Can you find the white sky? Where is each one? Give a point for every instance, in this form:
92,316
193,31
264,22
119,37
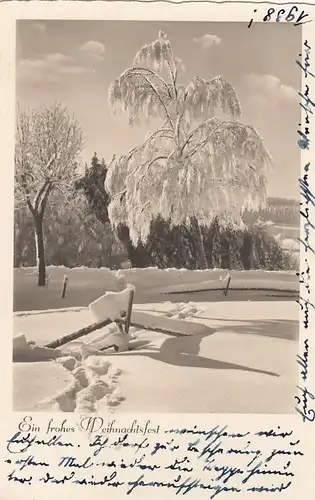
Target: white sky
75,61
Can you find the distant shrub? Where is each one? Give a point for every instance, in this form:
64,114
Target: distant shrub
126,264
249,248
267,252
230,247
279,210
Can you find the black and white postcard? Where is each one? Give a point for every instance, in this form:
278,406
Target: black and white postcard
157,307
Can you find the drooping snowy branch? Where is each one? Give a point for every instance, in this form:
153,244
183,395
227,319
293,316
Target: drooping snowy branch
196,165
203,98
219,173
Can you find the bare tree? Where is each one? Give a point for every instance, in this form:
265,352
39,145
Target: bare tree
48,145
196,166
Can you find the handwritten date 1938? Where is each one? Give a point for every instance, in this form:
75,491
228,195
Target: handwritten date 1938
294,14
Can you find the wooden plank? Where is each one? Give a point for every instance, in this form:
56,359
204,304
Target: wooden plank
162,324
95,326
171,326
161,330
79,333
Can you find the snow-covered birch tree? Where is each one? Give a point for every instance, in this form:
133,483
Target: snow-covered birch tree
195,166
48,144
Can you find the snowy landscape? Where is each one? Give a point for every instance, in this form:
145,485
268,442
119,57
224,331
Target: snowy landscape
164,277
234,355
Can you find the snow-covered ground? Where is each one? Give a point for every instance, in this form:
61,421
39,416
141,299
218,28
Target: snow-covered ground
86,285
152,277
240,358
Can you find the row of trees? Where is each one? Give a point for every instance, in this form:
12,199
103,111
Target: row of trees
176,199
280,211
77,232
226,246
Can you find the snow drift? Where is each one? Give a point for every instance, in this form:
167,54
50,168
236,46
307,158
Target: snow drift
153,279
84,377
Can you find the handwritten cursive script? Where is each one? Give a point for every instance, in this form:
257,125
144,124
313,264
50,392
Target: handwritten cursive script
182,459
305,397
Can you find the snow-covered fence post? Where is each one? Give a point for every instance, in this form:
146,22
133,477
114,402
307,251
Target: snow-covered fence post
64,286
129,311
113,307
227,286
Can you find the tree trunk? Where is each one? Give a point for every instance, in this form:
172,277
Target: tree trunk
202,252
247,250
137,255
40,250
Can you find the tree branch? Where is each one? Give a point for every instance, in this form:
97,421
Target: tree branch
203,141
158,132
147,164
152,73
37,199
198,146
139,72
31,208
162,157
173,73
161,100
177,127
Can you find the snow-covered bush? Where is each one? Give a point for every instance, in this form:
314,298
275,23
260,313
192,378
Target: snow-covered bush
73,236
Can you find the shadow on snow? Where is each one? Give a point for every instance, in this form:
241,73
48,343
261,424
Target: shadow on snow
186,353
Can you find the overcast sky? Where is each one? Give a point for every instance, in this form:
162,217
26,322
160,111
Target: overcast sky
75,61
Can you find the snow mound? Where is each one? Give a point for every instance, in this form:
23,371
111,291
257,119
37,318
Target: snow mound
183,310
24,351
112,305
68,362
